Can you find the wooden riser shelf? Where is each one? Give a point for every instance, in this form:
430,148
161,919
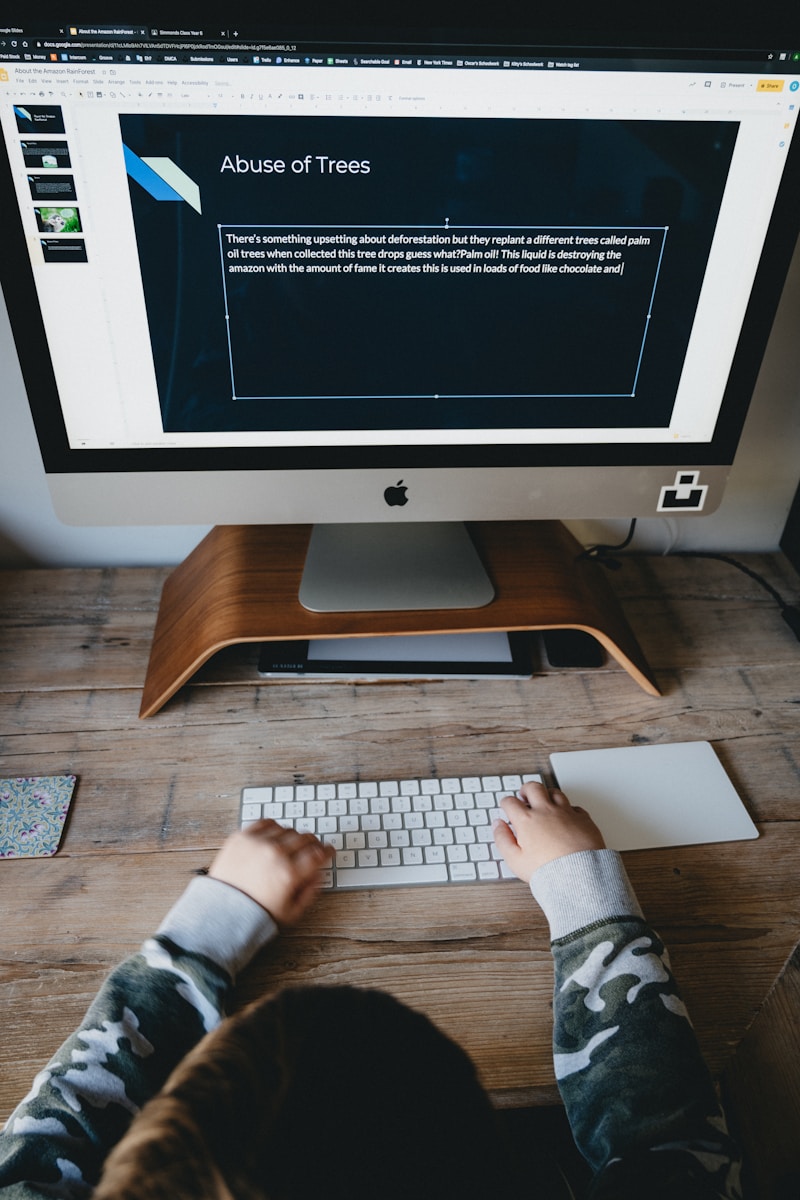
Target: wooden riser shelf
241,585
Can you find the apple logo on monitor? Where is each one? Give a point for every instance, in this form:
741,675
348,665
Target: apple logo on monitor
396,495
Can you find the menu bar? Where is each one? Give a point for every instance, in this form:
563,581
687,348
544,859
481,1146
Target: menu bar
153,45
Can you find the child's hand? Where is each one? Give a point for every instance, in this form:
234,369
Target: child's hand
545,826
276,867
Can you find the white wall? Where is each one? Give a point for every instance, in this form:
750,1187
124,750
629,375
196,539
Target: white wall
761,488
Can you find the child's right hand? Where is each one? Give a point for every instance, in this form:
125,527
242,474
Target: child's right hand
543,826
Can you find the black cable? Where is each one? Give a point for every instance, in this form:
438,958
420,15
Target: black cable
603,553
789,612
734,562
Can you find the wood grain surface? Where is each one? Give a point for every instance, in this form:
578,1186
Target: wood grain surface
155,798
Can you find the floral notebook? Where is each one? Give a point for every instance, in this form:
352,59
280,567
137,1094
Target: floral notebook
33,810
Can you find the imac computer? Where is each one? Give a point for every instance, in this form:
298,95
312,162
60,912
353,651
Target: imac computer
387,282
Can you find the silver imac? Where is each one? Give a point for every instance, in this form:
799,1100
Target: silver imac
379,279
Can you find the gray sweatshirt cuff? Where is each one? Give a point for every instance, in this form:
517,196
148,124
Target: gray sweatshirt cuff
216,920
580,889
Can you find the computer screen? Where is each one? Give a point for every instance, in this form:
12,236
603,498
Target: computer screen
257,277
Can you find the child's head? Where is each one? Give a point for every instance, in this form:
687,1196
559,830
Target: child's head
331,1092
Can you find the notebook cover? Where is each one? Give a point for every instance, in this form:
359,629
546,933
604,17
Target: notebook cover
647,796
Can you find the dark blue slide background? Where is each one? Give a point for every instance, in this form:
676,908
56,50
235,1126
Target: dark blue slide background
337,351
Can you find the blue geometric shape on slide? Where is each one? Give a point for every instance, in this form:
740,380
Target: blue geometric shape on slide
147,178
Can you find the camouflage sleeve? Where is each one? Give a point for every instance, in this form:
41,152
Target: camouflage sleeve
641,1103
148,1014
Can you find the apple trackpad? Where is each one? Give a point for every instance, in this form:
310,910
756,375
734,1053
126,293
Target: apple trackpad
663,795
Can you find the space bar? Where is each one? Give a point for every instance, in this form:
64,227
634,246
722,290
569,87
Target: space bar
349,877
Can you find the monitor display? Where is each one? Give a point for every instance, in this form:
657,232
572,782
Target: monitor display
256,277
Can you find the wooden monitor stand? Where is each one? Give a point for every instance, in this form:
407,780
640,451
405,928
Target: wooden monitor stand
241,585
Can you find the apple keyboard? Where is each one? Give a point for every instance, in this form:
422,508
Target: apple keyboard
401,833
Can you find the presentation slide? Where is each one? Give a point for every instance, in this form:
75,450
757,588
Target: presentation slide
421,273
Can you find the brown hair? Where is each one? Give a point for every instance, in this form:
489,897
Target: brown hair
315,1091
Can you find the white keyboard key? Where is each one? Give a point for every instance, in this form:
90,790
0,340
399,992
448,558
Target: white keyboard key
463,872
456,854
305,791
491,783
488,870
282,794
326,791
347,791
257,795
409,787
430,787
345,859
389,788
368,789
251,812
472,784
434,854
393,876
413,856
478,852
367,858
511,784
390,858
451,786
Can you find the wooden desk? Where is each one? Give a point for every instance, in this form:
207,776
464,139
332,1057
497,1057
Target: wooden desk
155,798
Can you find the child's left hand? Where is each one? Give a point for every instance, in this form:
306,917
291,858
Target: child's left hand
276,867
